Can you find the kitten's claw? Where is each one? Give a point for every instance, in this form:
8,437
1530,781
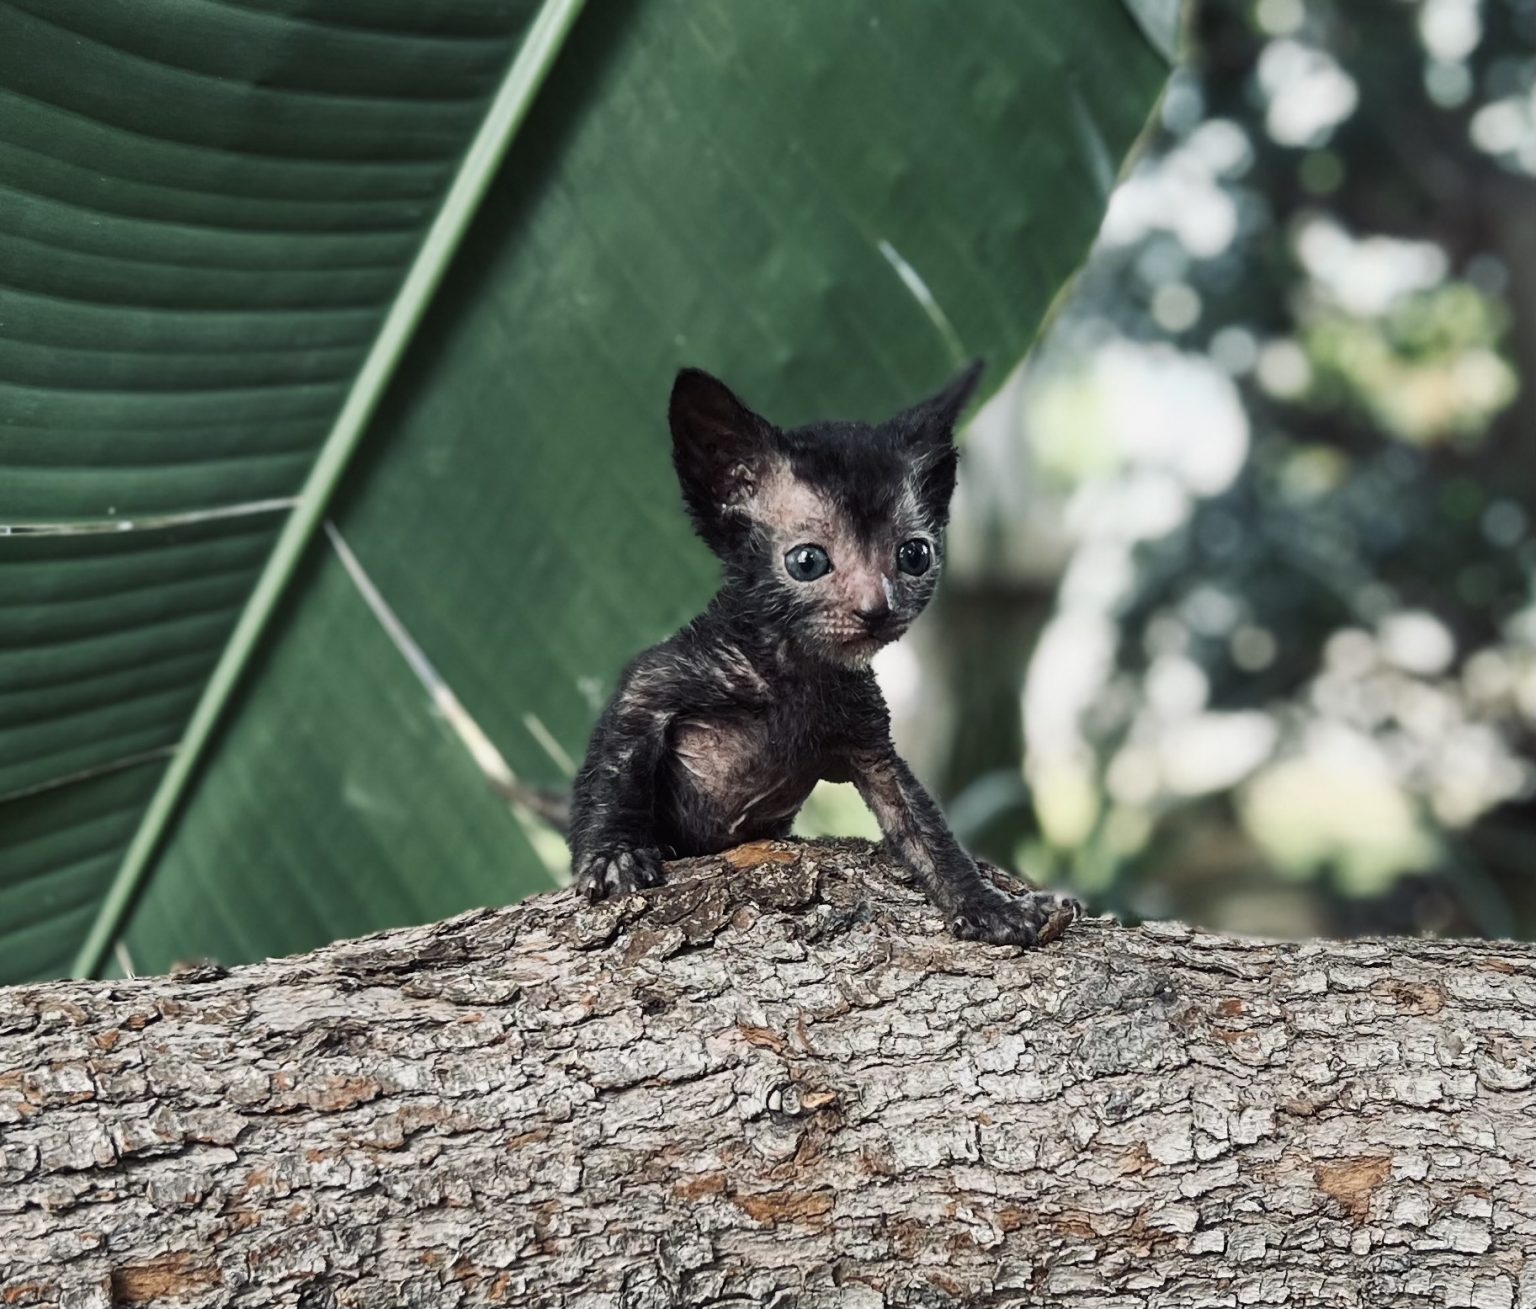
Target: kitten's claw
618,870
1034,918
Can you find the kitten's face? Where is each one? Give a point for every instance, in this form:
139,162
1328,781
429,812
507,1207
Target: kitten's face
842,569
835,529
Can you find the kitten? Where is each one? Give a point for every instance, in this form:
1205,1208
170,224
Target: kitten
830,537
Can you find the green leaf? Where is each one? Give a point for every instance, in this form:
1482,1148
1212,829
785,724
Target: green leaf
1162,21
828,204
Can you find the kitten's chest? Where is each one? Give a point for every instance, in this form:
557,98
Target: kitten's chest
740,775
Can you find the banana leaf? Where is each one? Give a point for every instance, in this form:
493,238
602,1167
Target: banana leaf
335,339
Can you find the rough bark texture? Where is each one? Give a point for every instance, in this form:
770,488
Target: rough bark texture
778,1083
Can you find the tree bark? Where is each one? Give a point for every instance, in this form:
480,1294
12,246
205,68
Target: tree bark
777,1081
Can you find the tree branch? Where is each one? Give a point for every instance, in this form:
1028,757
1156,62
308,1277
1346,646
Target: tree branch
776,1080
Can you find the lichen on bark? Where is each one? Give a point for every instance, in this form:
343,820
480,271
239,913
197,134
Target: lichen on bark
777,1080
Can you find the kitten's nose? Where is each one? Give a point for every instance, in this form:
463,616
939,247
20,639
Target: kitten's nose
874,615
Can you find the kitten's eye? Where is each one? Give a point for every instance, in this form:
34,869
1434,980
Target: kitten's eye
915,557
805,563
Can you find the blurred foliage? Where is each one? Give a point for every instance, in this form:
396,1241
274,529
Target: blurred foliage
1290,681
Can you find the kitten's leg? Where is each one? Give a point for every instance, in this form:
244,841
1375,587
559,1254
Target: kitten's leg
916,831
613,832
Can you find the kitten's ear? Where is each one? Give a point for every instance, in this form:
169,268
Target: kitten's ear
720,449
934,419
928,428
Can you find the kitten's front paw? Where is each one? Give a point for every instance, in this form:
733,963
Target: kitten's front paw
1033,918
617,870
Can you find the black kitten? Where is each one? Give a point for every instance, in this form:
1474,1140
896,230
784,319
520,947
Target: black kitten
831,536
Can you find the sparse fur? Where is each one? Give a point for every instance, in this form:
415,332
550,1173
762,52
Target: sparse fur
716,736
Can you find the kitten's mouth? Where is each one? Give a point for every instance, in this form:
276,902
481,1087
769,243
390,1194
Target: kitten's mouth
865,643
